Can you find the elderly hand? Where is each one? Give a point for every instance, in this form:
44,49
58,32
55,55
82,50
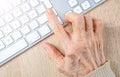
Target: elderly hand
83,47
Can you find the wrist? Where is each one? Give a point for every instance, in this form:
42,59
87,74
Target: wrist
103,71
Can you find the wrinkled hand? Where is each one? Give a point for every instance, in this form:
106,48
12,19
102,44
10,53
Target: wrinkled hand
83,47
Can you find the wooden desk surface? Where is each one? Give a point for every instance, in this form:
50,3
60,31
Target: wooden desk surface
35,62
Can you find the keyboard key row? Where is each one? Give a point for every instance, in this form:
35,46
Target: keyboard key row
31,37
24,18
13,49
74,3
83,6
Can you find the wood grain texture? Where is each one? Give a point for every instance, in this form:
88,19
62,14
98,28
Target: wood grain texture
35,62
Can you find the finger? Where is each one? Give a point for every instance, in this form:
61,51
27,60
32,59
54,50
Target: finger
77,21
53,53
98,34
85,63
98,27
92,58
89,26
56,25
92,43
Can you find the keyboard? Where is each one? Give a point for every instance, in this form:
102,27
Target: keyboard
23,23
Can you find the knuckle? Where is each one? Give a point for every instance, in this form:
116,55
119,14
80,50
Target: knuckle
98,21
88,17
78,17
56,28
73,49
60,27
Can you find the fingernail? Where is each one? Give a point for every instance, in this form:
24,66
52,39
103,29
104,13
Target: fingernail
49,11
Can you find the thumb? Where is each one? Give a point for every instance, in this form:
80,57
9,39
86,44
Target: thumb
53,53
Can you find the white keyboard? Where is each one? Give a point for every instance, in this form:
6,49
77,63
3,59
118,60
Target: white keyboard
23,23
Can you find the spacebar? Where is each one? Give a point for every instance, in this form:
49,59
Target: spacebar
12,50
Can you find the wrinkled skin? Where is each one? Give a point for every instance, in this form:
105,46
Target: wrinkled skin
83,47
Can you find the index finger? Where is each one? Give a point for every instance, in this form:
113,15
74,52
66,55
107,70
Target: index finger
56,25
77,21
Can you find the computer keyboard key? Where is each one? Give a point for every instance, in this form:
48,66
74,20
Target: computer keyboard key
8,40
42,19
15,2
44,30
32,37
48,4
8,17
85,5
24,0
25,7
12,50
1,45
17,12
15,24
41,9
33,25
7,29
25,30
2,22
78,9
1,11
32,14
72,3
34,3
6,6
16,35
24,19
96,1
1,34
